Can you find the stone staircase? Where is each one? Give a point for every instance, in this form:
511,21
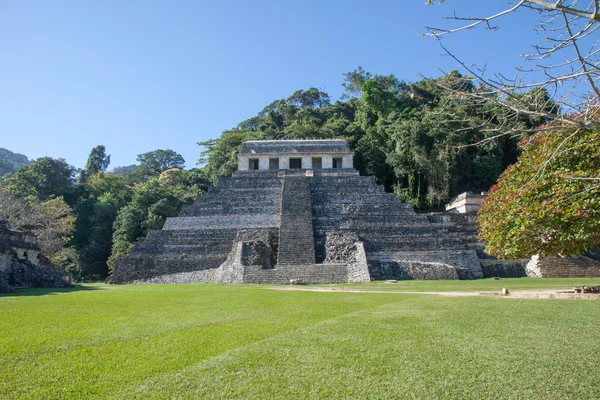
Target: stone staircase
296,240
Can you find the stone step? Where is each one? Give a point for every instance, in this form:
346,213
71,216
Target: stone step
296,241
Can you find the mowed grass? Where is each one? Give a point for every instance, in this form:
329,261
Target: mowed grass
243,341
478,285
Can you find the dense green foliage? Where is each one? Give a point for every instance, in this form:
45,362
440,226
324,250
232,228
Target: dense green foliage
547,203
154,201
80,224
52,221
97,161
11,162
157,161
413,137
43,178
239,341
102,196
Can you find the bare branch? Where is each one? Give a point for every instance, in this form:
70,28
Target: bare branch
436,32
568,10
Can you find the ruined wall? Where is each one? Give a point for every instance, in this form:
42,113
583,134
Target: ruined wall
465,226
22,265
503,268
445,265
312,273
346,248
563,267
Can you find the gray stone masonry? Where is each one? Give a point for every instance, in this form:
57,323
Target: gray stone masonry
22,265
297,244
563,267
317,226
465,226
311,273
399,243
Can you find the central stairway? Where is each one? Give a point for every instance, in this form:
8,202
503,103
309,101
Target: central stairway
296,239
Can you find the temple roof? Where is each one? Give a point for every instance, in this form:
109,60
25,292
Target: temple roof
313,146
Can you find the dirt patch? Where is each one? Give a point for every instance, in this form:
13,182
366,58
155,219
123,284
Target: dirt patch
514,294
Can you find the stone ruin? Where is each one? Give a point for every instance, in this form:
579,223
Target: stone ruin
22,265
460,218
297,210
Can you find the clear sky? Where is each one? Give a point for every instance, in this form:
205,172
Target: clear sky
137,76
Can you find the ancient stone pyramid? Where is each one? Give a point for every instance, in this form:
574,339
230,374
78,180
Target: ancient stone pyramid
279,219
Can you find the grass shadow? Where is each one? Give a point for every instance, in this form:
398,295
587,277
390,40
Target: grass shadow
49,291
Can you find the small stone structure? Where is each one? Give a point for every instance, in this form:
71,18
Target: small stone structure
575,266
466,203
296,210
460,218
22,265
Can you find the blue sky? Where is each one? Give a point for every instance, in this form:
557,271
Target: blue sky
137,76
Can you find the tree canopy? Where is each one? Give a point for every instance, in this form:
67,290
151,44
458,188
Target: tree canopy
157,161
97,161
44,179
547,203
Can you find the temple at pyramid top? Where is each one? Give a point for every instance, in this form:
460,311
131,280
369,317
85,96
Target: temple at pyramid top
263,155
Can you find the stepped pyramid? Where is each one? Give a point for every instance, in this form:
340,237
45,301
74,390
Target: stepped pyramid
297,210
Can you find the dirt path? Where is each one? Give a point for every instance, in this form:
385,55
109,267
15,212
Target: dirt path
515,294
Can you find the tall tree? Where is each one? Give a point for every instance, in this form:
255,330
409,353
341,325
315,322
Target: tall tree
103,196
97,161
44,178
157,161
548,203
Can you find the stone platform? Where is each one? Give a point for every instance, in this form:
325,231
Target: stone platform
318,226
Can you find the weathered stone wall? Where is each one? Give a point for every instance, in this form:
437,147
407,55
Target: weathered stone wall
23,266
503,268
347,249
312,273
457,264
465,226
563,267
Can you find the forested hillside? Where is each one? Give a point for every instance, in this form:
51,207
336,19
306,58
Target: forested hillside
11,162
416,138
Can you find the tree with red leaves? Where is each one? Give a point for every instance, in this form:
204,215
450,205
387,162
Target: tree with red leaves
547,203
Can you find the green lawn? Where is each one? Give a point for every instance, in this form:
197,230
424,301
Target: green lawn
231,341
478,285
